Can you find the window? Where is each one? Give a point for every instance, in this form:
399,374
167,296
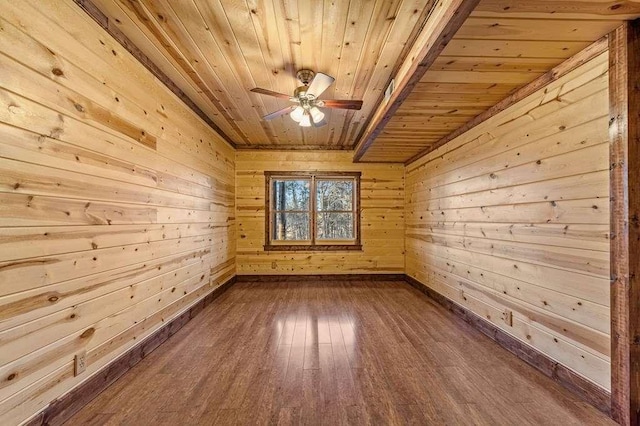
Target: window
312,211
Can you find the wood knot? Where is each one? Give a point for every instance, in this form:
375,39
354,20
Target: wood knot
87,333
53,299
13,108
11,376
79,107
57,71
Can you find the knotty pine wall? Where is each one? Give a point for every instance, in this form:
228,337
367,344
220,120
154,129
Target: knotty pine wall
382,216
116,203
514,214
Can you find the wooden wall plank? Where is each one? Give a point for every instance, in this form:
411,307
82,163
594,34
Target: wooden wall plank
103,21
474,205
382,216
117,203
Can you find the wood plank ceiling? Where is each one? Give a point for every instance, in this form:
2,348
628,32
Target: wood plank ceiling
502,46
216,50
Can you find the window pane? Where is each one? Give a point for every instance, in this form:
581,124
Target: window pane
334,195
335,226
291,195
291,227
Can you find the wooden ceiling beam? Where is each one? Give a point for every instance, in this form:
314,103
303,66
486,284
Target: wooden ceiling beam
446,17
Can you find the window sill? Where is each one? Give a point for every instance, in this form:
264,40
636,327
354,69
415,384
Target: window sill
318,247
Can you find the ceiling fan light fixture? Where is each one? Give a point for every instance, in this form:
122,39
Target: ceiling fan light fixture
297,114
307,112
316,114
306,120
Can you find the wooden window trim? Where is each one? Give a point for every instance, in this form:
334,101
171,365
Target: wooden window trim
329,245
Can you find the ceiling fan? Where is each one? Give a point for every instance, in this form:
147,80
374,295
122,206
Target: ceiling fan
306,110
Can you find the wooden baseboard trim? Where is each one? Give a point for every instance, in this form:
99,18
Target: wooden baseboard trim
61,409
315,277
578,385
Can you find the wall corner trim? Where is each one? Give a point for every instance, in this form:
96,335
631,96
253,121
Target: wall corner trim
103,21
624,160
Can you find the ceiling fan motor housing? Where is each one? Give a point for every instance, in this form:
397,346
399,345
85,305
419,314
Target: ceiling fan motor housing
305,76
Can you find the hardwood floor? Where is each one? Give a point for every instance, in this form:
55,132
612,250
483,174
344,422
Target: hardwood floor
346,352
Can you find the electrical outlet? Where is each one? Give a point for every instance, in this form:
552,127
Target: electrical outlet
80,364
507,317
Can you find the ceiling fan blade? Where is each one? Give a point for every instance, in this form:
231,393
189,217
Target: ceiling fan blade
270,93
319,84
278,113
342,104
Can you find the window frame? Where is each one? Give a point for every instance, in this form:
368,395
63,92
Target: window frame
314,244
